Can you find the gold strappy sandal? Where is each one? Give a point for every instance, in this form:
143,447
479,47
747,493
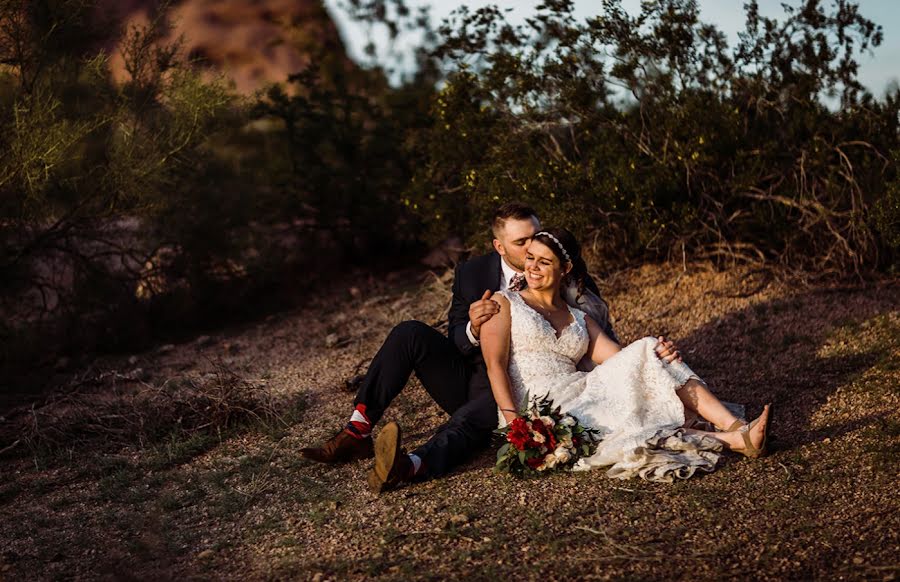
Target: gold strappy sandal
749,450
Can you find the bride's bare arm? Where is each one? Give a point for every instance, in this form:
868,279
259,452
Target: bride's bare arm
495,349
601,347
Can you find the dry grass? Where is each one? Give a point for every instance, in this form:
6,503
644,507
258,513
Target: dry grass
823,506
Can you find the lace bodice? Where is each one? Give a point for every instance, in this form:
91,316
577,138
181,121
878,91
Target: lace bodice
535,353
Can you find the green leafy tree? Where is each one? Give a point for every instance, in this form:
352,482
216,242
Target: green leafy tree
647,134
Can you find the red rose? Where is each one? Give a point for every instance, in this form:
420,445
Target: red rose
518,434
534,462
551,441
518,424
518,440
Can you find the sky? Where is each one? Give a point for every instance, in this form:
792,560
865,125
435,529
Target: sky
877,69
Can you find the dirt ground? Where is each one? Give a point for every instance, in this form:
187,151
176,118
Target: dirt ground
241,504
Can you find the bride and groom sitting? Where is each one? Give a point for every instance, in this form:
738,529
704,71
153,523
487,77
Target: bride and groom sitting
520,321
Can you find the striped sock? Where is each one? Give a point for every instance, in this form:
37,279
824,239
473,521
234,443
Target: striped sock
359,425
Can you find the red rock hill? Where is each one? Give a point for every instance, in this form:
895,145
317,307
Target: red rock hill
253,42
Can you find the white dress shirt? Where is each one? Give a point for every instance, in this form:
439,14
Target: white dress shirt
506,275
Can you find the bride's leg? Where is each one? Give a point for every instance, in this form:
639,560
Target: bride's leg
695,396
734,440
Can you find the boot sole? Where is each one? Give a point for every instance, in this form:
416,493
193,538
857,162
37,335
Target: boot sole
387,447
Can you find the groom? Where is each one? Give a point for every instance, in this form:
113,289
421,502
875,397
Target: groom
451,369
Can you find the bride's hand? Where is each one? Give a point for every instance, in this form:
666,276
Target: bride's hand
666,351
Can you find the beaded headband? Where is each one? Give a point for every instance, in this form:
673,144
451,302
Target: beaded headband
556,240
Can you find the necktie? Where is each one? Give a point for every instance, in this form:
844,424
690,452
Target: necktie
517,283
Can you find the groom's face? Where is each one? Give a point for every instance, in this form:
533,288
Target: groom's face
513,238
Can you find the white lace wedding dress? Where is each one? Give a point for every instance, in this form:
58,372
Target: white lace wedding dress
630,398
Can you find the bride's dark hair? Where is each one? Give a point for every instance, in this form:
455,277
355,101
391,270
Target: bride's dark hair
552,238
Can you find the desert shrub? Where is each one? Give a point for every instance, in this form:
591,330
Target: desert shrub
131,209
343,164
648,134
90,168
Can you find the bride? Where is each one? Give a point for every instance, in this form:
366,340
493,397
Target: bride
635,399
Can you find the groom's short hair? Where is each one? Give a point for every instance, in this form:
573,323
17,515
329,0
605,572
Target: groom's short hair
511,210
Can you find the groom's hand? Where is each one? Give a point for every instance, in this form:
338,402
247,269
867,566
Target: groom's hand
666,351
481,311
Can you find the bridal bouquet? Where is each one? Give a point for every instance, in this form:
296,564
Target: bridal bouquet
542,439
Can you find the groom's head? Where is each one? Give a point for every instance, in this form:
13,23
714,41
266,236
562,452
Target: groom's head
514,224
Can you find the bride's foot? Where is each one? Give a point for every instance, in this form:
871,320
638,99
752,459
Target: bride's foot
750,440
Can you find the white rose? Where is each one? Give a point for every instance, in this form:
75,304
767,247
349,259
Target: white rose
549,462
567,421
562,455
537,437
548,422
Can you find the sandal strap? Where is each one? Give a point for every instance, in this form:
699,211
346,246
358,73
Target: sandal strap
736,425
749,449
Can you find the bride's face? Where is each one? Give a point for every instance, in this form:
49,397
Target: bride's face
543,269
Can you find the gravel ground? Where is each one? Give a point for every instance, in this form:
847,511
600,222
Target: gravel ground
245,506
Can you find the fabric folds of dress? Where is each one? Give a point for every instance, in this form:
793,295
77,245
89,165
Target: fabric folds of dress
630,398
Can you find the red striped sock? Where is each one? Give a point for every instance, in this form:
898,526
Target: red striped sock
359,425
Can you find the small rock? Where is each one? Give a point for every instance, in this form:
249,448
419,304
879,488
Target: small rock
333,505
205,554
858,560
355,292
166,348
133,360
317,577
203,340
459,519
827,440
331,340
6,568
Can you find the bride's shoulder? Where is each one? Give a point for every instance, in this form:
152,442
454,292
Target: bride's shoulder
504,295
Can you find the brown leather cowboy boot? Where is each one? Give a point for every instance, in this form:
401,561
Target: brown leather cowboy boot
392,465
341,448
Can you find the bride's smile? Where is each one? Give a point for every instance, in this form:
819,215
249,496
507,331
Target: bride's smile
542,267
